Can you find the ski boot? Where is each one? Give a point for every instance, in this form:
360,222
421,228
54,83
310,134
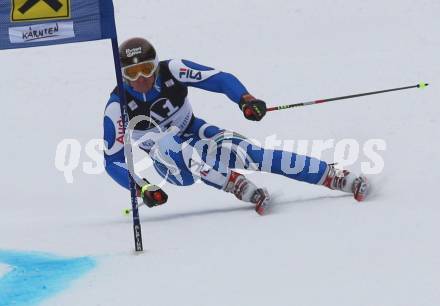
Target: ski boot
346,181
246,191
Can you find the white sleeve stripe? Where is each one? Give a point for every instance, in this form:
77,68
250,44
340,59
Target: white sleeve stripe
185,74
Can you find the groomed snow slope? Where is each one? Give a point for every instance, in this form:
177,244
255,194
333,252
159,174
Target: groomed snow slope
204,247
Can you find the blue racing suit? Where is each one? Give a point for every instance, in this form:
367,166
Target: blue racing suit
185,148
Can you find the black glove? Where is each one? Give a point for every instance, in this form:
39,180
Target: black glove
152,195
253,109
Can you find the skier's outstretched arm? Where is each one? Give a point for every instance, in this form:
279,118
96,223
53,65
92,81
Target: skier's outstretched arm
210,79
114,156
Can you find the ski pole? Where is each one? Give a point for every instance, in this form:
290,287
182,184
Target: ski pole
420,85
128,211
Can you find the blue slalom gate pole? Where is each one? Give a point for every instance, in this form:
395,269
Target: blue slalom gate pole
127,148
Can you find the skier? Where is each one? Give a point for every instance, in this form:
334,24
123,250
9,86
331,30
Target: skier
157,90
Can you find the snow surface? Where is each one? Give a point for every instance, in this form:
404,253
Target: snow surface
204,247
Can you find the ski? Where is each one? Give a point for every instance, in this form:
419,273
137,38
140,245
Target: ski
262,199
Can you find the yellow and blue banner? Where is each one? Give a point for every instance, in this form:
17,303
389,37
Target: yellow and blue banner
31,23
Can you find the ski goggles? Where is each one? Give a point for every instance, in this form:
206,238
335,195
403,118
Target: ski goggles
145,69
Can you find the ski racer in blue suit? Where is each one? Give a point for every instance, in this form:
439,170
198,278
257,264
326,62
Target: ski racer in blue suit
185,148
